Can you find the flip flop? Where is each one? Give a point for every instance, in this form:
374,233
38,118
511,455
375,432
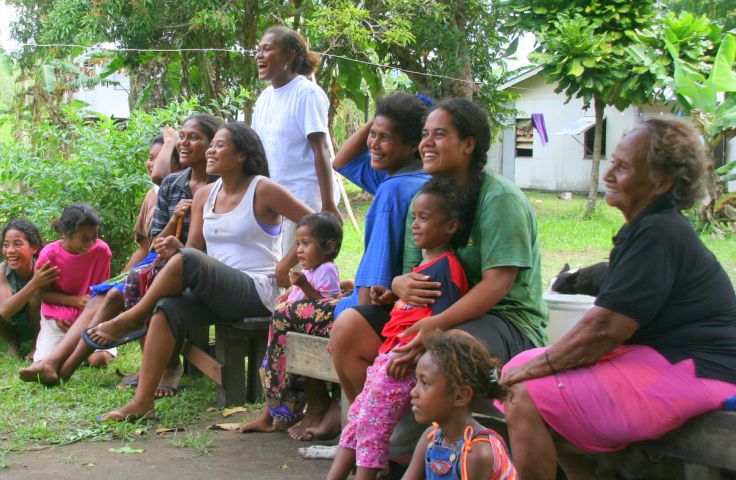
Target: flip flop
127,417
174,390
114,342
127,382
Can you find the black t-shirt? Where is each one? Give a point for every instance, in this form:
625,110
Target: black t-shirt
662,276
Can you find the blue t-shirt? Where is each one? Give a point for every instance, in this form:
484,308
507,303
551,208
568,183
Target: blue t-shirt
384,224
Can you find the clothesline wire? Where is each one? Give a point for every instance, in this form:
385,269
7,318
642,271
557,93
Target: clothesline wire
241,50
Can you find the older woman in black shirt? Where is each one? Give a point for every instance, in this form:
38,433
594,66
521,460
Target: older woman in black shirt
659,346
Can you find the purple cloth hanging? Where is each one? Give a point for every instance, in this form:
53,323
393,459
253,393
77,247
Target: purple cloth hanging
538,123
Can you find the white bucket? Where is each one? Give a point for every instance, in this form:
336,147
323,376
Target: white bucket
564,312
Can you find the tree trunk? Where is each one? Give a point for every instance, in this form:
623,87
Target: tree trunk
600,105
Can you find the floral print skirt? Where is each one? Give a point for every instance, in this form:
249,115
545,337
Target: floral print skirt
284,391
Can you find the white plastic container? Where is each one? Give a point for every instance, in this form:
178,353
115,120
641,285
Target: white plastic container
564,312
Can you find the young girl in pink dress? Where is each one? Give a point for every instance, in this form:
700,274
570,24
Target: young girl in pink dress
83,260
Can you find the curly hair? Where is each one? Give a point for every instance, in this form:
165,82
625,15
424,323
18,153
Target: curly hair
27,228
75,216
248,142
454,204
407,112
324,227
471,120
305,62
465,362
674,149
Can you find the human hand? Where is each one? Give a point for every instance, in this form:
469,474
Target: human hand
397,370
416,289
282,298
44,275
381,295
80,302
297,278
167,246
332,207
534,368
183,209
170,134
64,325
414,348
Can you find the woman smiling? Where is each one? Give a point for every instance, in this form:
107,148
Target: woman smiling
238,221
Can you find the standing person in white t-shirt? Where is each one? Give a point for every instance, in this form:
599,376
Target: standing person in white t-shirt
290,116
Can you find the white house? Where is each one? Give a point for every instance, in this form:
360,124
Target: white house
563,164
110,100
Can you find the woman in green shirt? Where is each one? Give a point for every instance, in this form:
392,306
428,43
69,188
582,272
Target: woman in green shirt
504,307
20,310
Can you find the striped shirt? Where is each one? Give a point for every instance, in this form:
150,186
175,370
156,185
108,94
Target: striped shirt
174,188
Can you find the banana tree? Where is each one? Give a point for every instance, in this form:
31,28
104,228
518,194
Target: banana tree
705,90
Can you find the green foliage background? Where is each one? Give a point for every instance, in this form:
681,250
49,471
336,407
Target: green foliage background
98,162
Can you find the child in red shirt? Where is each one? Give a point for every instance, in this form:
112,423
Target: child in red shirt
439,225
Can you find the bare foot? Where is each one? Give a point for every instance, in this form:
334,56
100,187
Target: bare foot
131,411
131,381
312,418
31,354
281,425
118,327
264,423
13,350
42,372
330,426
170,378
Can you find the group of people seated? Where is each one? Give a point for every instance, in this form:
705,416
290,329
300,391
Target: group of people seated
448,291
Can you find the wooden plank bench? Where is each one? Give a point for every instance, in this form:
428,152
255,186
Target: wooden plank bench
233,344
705,443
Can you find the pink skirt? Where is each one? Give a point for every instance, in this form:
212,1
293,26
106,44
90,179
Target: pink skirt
631,395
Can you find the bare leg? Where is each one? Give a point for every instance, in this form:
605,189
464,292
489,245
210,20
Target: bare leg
7,331
342,465
572,460
99,359
354,347
330,426
111,305
535,454
155,358
168,283
34,319
47,370
318,401
364,473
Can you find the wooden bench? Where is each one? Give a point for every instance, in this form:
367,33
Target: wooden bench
233,344
307,355
706,443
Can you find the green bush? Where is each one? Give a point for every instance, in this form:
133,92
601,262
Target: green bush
99,162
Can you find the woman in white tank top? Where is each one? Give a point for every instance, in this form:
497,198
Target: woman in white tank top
238,221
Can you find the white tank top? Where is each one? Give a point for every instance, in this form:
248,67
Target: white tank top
236,239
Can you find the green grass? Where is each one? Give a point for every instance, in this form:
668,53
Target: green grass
32,415
197,441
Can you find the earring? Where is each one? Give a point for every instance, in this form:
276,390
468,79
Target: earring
286,65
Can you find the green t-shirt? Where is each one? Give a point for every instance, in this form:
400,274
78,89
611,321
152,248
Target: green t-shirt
504,234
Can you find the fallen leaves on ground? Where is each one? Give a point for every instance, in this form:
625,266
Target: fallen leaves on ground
231,427
229,411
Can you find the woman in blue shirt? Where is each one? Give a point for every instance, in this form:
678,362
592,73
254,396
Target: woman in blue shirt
391,170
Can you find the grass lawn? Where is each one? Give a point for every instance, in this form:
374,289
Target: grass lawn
32,415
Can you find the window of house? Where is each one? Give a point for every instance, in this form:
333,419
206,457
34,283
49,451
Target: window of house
590,141
524,137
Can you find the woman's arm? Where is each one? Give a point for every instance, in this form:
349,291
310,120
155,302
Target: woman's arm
318,142
479,300
11,304
195,238
165,163
596,335
353,146
273,202
182,210
139,255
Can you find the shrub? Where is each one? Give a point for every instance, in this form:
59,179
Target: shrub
100,162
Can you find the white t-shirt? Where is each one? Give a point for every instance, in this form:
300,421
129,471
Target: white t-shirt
283,117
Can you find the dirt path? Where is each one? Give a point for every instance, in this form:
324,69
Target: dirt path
252,456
